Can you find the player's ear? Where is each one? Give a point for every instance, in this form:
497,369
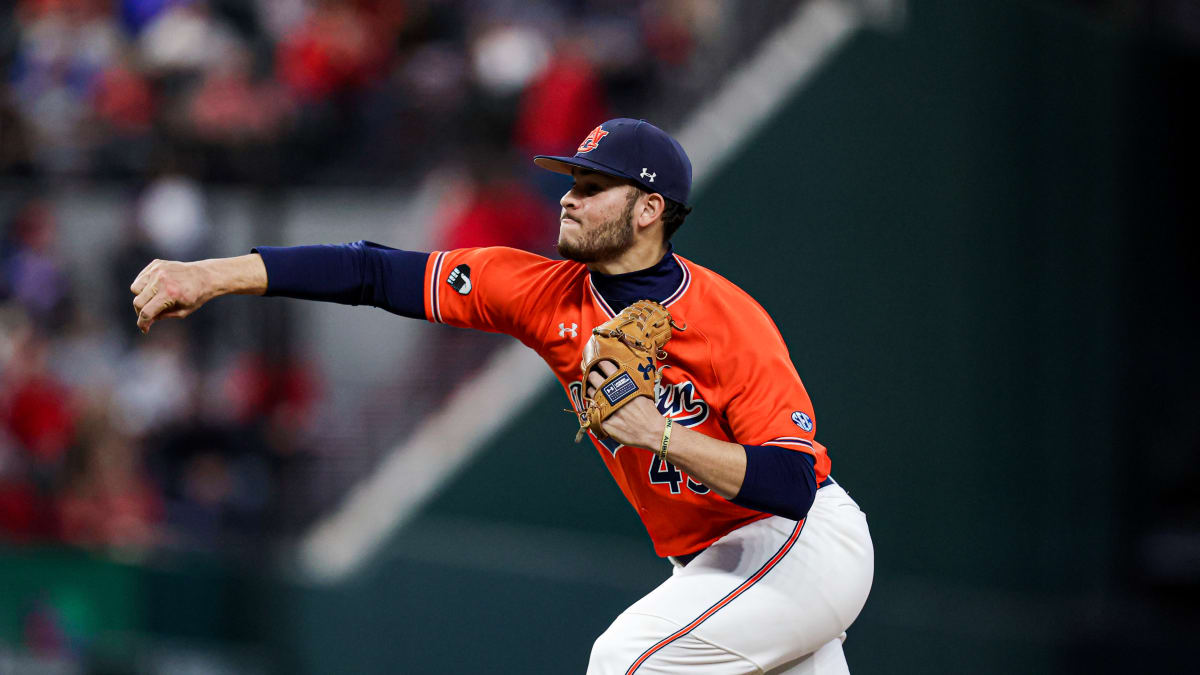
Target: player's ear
651,209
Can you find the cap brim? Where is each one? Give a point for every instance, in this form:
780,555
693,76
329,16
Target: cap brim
564,165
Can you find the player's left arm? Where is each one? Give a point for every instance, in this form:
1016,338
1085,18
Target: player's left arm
776,465
718,464
769,477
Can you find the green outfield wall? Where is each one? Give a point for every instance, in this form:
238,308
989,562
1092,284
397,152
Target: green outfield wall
935,224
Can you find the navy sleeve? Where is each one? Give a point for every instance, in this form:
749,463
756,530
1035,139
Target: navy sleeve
361,273
778,481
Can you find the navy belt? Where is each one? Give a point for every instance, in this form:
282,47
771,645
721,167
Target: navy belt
686,558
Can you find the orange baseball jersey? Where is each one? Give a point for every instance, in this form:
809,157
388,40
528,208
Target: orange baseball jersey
730,376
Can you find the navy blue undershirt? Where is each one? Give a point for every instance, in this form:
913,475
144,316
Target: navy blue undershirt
777,481
658,282
361,273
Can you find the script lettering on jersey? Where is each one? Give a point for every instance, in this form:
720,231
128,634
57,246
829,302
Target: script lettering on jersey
679,401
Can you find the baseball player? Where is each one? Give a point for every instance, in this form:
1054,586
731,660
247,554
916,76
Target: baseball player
772,560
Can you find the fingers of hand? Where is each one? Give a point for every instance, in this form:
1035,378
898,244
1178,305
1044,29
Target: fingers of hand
160,304
594,380
598,375
143,278
147,292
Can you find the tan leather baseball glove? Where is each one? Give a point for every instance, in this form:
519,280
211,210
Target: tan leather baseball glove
633,342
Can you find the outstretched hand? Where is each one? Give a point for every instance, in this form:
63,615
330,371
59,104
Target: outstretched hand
638,423
167,289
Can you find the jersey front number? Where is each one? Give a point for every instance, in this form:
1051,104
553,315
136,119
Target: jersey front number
677,399
663,472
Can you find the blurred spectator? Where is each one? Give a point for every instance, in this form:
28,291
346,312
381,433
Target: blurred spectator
24,515
437,74
229,107
38,410
493,208
506,57
125,107
30,273
561,105
35,407
279,395
217,476
172,213
16,142
61,50
44,630
110,502
335,50
280,18
123,100
137,14
87,353
183,38
669,29
157,383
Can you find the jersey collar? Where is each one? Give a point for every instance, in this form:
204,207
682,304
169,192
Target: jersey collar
664,282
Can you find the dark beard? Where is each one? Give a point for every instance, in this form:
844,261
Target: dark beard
606,242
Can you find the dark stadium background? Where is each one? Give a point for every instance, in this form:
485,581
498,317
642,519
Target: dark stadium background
971,223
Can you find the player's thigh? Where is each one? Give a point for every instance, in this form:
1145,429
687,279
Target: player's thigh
768,593
775,590
776,613
634,643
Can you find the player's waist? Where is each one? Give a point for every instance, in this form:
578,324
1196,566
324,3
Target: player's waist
683,560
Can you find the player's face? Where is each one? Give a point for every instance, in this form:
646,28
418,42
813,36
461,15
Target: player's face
596,223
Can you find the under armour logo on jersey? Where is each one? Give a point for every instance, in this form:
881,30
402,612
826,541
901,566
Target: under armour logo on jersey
647,175
803,421
573,330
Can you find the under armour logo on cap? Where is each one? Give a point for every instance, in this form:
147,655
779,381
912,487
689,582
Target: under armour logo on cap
647,175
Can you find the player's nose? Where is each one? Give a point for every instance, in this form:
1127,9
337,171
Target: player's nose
569,200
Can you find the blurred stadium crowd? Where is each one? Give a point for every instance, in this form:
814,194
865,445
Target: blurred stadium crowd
271,91
131,444
108,440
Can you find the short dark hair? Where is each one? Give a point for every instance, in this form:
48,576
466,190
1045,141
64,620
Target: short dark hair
673,216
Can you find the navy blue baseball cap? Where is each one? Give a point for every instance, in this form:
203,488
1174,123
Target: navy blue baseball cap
633,149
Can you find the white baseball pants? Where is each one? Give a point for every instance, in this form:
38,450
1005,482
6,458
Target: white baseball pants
774,596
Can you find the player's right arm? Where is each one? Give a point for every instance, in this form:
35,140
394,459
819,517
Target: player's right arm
501,296
172,289
359,273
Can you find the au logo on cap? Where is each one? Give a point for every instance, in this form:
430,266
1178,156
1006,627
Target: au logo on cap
592,140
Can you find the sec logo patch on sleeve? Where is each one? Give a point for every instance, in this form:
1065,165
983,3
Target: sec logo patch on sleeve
460,279
803,421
